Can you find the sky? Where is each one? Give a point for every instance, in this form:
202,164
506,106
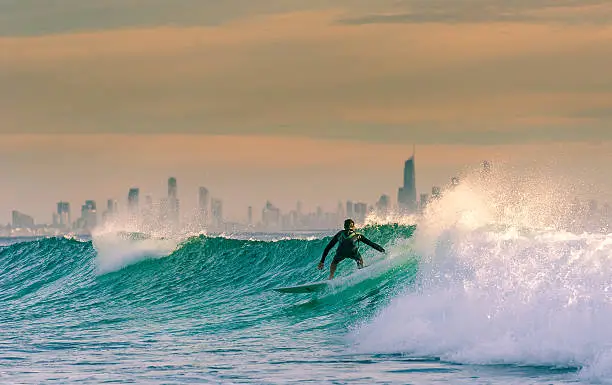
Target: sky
314,100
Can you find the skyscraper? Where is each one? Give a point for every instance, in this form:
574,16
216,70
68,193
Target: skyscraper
250,215
21,220
216,210
203,198
133,199
406,195
89,216
382,206
270,215
360,212
173,202
349,209
111,206
172,189
63,211
133,196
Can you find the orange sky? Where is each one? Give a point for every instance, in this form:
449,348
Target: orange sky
271,90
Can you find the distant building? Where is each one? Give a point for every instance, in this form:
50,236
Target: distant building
89,216
423,201
298,207
294,221
407,196
92,214
350,213
216,211
146,216
340,211
172,202
250,216
383,204
133,197
63,212
111,211
172,187
203,202
22,221
270,216
360,210
111,206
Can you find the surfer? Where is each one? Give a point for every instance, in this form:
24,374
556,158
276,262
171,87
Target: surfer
348,247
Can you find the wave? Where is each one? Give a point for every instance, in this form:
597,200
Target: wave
63,279
505,277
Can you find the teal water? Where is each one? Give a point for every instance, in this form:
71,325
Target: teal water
134,310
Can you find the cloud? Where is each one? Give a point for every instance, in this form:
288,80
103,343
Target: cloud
303,74
490,11
29,18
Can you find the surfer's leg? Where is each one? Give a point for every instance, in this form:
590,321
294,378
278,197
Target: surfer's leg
332,267
332,270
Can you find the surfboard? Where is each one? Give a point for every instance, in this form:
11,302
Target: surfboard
318,286
311,287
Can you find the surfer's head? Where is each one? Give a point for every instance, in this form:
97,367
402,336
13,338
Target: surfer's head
349,224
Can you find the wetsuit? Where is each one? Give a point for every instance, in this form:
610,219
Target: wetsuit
348,247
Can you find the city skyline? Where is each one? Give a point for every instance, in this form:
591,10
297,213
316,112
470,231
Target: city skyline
209,208
164,212
208,215
377,173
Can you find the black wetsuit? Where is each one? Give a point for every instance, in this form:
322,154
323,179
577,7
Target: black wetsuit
348,241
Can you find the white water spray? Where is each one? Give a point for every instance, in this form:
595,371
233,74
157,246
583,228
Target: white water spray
511,273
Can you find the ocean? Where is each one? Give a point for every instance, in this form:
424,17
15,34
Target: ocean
457,299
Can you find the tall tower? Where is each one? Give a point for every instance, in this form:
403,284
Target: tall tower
133,200
111,206
406,195
173,202
63,211
203,198
89,215
133,196
216,209
172,189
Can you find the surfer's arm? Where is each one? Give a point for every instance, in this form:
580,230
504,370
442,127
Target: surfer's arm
373,245
328,248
